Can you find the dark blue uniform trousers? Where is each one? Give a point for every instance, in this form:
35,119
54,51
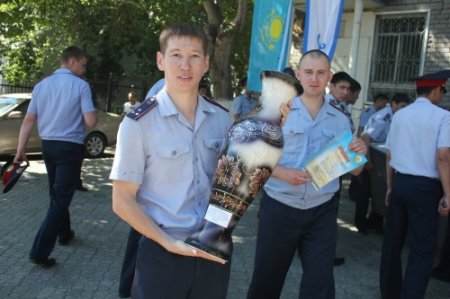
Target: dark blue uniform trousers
62,160
129,262
162,274
443,269
413,210
282,231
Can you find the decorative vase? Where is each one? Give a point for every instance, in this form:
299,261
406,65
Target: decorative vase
249,153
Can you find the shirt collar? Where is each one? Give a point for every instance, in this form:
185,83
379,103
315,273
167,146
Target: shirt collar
326,107
63,70
168,108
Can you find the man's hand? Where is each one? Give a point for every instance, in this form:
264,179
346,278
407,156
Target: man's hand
358,146
181,248
20,157
444,206
387,200
284,109
295,177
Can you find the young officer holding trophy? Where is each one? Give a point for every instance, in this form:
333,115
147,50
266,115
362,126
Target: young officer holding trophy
294,216
162,172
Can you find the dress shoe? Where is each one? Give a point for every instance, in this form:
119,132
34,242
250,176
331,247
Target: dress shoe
338,261
45,263
66,242
82,188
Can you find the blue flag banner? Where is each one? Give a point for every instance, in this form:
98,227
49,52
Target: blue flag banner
271,31
322,25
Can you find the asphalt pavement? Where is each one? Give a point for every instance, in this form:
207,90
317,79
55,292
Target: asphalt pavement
89,267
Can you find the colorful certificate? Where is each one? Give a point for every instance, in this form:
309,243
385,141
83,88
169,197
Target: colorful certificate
333,160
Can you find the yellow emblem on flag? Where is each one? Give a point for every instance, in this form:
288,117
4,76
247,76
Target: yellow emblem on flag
272,30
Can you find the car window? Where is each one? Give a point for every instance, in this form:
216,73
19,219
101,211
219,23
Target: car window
23,108
6,104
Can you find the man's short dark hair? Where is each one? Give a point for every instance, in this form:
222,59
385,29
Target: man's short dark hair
182,30
426,90
71,52
341,76
315,53
379,97
400,98
355,86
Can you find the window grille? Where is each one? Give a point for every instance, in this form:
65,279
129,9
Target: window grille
397,54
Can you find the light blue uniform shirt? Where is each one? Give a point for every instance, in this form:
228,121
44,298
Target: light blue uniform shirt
365,116
417,132
303,138
157,87
59,102
343,106
243,104
378,126
172,161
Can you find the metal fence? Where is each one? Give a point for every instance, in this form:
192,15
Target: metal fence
109,95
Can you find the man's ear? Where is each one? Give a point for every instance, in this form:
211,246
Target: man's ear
160,60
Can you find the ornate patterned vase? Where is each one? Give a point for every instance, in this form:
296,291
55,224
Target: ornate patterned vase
249,153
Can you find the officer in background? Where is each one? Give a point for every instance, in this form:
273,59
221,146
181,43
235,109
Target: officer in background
61,105
340,85
378,125
245,102
418,186
379,102
376,130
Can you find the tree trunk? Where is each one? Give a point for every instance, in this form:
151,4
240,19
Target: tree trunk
223,35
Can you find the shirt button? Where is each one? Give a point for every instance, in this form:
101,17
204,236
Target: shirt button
173,153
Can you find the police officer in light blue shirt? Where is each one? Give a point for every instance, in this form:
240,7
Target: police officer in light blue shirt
379,103
62,105
376,130
245,102
378,125
165,159
418,187
295,217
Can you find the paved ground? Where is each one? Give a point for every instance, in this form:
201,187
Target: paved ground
89,268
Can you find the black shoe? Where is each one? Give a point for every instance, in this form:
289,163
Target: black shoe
45,263
124,295
338,261
82,188
440,276
66,242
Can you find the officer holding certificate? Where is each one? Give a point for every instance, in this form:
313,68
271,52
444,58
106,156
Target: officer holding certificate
418,186
294,216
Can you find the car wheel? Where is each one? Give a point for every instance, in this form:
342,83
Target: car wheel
94,144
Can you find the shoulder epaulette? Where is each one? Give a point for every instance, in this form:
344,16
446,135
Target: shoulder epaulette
215,103
143,108
338,108
387,117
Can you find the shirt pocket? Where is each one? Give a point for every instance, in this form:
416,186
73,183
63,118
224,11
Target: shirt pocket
213,147
173,159
293,148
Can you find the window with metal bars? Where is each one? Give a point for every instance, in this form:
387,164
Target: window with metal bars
397,54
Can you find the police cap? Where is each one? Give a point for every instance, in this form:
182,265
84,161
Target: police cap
437,79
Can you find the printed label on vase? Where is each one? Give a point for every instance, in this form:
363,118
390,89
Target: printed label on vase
218,216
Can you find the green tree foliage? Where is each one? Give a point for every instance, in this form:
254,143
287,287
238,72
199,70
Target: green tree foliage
120,36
